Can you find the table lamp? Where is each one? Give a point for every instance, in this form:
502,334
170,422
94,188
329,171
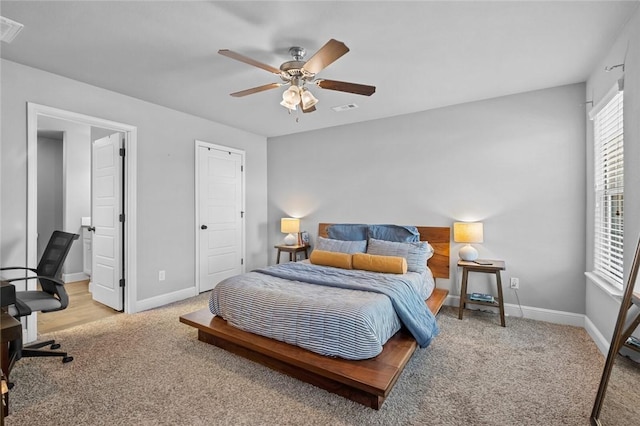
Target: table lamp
465,232
290,226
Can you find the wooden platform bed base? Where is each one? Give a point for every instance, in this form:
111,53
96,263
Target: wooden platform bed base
367,382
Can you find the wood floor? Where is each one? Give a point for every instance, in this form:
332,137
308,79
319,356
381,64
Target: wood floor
82,309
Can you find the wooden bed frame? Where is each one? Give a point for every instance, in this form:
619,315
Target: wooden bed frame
367,382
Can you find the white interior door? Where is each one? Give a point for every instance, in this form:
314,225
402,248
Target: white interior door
221,216
106,206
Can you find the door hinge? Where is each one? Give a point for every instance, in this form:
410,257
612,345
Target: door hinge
242,168
121,217
121,152
242,261
121,282
242,214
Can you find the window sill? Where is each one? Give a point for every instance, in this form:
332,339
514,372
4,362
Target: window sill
612,290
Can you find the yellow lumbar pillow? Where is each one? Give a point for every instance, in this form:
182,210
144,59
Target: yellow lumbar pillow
331,258
377,263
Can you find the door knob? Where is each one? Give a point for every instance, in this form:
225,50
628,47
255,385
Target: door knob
203,227
91,229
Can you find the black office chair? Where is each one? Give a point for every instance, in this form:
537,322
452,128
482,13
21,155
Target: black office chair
51,297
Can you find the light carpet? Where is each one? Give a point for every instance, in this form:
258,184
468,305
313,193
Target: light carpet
150,369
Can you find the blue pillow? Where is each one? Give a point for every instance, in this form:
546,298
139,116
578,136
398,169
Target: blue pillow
341,246
416,253
396,233
347,232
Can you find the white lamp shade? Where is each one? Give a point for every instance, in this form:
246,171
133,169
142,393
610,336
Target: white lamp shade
465,232
288,105
289,225
291,95
308,100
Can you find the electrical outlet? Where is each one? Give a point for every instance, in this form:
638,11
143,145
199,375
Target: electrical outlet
161,276
515,283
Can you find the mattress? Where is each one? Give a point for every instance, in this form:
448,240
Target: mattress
333,321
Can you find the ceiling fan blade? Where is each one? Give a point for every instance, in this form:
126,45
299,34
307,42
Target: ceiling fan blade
238,57
342,86
324,57
255,90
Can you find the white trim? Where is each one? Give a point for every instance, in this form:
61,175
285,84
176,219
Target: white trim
601,342
529,312
131,145
203,144
617,87
164,299
73,277
613,291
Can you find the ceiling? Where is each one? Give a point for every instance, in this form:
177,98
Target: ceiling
419,55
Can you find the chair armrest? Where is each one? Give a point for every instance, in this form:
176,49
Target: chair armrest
60,292
35,277
18,267
22,308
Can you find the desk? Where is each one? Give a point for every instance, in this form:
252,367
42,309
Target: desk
11,336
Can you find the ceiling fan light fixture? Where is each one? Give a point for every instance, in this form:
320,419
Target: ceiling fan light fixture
308,100
288,105
292,95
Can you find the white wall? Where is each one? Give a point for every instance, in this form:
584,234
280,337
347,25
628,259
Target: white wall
517,163
601,308
165,182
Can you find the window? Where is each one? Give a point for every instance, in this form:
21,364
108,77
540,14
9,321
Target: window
609,188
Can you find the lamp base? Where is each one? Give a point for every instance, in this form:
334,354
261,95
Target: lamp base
290,240
468,253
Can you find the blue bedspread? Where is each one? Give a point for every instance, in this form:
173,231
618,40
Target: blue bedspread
410,308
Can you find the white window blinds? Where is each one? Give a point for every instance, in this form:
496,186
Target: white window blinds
609,190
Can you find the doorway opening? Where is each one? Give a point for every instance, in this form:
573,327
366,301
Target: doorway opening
73,171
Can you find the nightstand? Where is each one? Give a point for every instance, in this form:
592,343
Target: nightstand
293,252
494,267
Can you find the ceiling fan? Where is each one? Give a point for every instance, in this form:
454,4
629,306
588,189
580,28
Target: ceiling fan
297,73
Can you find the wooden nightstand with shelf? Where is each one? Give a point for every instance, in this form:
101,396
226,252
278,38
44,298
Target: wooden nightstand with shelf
293,251
487,267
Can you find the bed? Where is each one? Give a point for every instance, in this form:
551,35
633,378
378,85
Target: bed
366,381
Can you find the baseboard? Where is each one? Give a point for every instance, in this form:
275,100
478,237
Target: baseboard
529,312
155,302
76,276
601,342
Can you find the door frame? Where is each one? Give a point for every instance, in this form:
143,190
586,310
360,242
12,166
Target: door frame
130,196
202,144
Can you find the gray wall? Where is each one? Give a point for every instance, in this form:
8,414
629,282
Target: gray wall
601,307
49,189
516,163
165,185
76,194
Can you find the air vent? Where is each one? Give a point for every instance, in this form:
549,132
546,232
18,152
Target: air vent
9,29
344,107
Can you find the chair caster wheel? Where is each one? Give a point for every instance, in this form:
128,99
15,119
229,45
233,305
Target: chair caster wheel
67,359
55,346
10,385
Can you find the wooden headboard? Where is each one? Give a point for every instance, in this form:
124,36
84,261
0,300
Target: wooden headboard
438,237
